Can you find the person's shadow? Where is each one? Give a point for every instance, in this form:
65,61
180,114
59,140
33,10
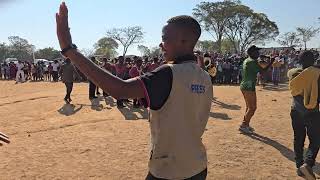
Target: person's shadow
220,116
129,112
69,109
286,152
226,106
280,87
95,104
110,101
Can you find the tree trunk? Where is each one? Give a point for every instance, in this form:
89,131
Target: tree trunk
235,46
219,43
305,45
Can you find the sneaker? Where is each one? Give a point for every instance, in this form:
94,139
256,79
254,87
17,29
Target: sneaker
299,173
307,172
245,129
93,97
120,106
251,128
66,100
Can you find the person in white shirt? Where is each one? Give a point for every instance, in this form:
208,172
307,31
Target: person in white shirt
55,67
46,72
20,67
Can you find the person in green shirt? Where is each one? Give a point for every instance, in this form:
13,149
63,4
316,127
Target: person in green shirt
251,67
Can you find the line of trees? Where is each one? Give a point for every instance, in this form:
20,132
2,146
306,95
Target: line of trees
23,50
298,38
232,22
233,26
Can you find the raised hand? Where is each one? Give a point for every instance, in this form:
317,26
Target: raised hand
63,30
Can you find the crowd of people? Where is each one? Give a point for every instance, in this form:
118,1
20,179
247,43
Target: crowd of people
228,67
23,71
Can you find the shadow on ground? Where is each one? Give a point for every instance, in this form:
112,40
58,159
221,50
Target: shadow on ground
220,116
226,106
130,113
286,152
69,109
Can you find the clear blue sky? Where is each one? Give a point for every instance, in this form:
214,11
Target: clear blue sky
34,20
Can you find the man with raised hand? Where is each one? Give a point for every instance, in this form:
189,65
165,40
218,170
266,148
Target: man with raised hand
179,96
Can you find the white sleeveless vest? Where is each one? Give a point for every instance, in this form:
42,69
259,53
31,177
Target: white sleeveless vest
176,129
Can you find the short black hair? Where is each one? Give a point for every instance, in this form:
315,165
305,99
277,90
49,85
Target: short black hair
307,58
92,58
187,22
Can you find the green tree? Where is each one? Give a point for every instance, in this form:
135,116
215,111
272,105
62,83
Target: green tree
307,34
106,47
155,52
126,36
47,53
227,46
213,16
144,50
20,48
4,51
246,27
289,39
88,52
206,45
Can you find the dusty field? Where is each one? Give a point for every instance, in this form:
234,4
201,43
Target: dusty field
51,140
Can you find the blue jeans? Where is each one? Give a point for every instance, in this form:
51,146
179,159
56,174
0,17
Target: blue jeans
308,124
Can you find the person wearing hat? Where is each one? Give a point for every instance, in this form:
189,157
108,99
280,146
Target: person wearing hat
250,70
304,85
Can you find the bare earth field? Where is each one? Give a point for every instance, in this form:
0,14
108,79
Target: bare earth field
94,140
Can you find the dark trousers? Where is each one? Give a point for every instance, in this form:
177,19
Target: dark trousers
55,75
69,87
201,176
92,89
303,125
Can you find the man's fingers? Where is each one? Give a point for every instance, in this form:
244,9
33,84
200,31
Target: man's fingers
63,10
4,139
2,134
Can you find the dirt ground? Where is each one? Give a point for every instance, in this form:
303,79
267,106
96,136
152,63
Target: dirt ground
95,140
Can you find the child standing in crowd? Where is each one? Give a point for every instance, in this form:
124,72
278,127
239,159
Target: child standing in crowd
50,71
34,72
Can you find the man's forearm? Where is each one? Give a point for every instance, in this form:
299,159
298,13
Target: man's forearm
269,65
103,79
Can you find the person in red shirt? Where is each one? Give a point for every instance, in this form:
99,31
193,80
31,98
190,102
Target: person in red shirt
121,70
136,71
154,65
110,68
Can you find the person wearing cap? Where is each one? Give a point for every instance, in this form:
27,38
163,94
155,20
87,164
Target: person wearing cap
250,70
304,85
